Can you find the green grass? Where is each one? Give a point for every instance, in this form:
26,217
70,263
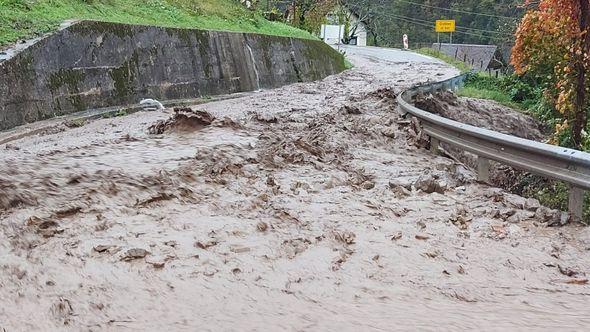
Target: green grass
450,60
22,19
348,64
473,90
497,96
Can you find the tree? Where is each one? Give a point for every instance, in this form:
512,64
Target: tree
310,14
367,12
553,43
478,21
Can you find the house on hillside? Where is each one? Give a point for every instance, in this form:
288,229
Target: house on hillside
344,26
341,24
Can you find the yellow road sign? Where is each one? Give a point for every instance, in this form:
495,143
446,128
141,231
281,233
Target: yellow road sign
445,26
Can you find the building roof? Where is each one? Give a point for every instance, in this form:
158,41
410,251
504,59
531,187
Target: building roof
477,56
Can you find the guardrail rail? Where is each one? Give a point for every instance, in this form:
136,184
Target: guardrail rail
568,165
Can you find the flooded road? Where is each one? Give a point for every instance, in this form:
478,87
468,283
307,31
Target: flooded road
307,207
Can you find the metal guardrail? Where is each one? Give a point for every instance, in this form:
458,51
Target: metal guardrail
568,165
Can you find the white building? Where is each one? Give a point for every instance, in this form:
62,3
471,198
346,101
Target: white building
345,26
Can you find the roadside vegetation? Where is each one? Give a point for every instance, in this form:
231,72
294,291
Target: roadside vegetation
22,19
525,93
463,67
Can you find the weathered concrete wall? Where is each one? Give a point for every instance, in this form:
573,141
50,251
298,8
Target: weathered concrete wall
96,64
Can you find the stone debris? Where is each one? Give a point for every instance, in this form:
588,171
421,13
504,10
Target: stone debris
134,253
103,248
429,184
262,226
206,244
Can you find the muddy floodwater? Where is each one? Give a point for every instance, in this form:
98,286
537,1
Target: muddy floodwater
308,207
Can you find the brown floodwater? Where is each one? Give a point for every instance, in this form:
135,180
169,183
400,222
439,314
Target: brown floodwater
307,207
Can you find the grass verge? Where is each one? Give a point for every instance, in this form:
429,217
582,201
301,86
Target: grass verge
497,96
464,68
22,19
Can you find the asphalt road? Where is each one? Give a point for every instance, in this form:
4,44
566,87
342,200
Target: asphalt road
387,54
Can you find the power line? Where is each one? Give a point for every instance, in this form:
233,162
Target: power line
457,27
430,25
453,10
410,20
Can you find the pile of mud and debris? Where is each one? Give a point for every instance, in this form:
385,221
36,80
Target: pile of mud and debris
494,116
483,114
184,119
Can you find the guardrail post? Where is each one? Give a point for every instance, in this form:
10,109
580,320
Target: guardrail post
483,169
576,202
434,143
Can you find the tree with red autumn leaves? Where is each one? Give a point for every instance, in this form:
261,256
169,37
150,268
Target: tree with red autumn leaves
553,43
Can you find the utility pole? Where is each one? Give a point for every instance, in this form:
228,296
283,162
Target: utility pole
339,25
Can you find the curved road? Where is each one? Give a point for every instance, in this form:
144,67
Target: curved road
386,54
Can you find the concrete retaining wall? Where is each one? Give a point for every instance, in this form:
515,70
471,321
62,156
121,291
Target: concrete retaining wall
96,64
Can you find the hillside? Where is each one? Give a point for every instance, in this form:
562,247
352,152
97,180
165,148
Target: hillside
478,21
20,19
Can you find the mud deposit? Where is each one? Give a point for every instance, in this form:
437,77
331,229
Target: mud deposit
303,208
491,115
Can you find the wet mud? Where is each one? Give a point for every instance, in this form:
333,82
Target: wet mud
491,115
309,207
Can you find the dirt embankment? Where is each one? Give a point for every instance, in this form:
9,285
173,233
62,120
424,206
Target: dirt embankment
482,113
491,115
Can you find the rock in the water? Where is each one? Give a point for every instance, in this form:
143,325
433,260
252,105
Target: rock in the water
388,132
406,184
262,226
429,183
239,249
563,219
400,191
531,204
134,253
515,201
103,247
266,117
156,262
350,109
547,215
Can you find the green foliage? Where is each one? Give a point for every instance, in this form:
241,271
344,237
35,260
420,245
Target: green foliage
498,96
389,20
21,19
348,64
512,91
527,94
523,93
116,114
552,194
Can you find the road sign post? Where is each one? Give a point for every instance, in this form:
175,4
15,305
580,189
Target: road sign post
444,26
